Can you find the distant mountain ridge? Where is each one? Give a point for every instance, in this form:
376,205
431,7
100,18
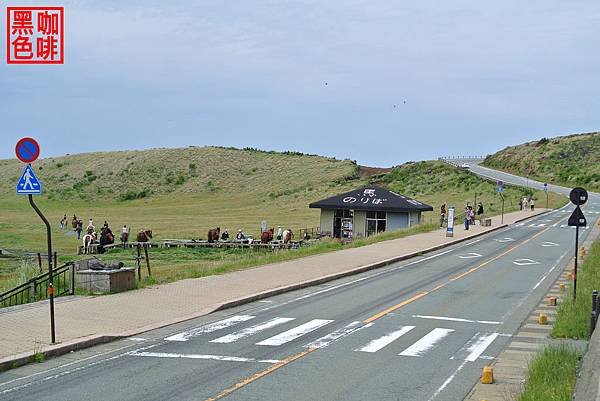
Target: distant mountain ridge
572,160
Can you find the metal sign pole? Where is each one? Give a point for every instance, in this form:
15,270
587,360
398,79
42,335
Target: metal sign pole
50,270
502,196
575,269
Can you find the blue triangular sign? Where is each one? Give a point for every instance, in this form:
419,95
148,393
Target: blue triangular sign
29,183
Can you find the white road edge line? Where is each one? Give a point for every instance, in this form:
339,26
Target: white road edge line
448,381
456,319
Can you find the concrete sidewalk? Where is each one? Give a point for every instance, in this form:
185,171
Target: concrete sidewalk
84,321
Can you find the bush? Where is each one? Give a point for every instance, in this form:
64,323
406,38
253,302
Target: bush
132,195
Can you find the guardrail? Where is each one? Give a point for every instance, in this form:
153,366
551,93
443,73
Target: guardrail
36,288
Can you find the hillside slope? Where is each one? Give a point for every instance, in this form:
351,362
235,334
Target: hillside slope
572,160
131,175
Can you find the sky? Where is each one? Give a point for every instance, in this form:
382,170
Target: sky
380,82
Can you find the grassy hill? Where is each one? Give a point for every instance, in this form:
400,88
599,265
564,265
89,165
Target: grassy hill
132,175
572,160
435,182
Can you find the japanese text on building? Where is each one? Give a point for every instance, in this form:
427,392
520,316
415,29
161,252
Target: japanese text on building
35,35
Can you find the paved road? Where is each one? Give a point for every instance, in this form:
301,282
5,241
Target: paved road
417,330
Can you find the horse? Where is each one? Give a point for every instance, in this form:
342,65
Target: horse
88,239
107,238
288,235
214,234
267,236
144,236
124,237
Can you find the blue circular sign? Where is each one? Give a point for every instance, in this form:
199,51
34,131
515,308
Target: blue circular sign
27,150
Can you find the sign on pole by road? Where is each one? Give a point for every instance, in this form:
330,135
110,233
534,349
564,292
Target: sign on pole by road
577,219
29,184
546,187
450,229
578,196
500,187
27,150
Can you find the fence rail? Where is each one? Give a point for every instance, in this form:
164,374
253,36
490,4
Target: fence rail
36,288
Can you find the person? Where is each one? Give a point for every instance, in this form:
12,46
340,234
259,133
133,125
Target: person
279,233
442,215
124,234
532,203
467,217
480,213
524,203
63,222
520,204
90,227
225,236
471,215
240,235
79,228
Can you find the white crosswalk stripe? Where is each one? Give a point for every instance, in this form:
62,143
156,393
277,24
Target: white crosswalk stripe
209,328
295,333
381,342
429,341
473,349
229,338
336,335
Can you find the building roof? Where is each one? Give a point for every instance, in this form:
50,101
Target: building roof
373,198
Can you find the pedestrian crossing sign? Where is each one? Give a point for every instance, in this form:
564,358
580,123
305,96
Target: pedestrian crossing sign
29,184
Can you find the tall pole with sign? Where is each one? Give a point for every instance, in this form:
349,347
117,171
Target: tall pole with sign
28,150
546,191
500,190
578,196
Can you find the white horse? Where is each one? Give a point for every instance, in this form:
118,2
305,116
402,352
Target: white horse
88,240
287,236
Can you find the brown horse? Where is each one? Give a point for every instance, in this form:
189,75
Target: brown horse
267,236
214,234
288,235
144,236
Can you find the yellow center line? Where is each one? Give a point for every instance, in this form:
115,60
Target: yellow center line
450,280
261,374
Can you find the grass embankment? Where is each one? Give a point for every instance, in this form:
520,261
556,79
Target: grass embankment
552,375
570,161
573,319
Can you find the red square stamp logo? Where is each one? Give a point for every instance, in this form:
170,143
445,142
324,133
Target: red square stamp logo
35,35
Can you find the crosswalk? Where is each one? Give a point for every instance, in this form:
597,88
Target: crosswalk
543,225
423,340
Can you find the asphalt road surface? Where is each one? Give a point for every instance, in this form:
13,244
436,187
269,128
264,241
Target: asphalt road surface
418,330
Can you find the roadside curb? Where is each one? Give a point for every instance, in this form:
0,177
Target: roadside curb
21,359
